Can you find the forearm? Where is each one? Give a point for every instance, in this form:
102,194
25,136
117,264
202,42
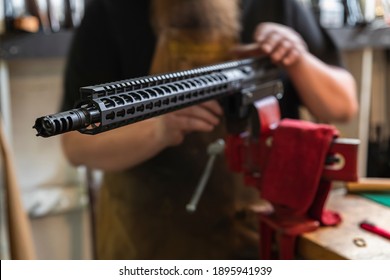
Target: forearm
328,92
114,150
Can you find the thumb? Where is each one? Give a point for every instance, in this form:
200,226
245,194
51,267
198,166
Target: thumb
247,50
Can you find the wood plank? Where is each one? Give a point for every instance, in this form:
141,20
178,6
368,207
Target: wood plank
338,242
369,184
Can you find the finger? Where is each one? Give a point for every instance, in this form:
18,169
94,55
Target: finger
270,43
200,113
291,57
190,124
213,106
247,50
262,32
281,50
175,127
296,39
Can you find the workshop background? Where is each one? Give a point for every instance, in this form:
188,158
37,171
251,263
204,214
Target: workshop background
34,39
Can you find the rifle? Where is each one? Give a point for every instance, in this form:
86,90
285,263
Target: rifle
111,105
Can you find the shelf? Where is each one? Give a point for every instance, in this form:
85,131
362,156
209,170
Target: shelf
36,45
355,38
40,45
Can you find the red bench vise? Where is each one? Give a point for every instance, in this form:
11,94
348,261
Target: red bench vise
292,163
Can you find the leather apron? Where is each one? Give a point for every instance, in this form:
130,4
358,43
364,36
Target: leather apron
142,211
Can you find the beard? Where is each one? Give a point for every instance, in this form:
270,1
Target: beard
220,16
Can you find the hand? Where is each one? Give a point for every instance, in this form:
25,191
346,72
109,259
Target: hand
203,118
282,44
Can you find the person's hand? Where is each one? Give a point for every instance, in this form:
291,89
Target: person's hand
202,118
282,44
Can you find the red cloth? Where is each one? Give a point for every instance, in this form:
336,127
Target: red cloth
292,176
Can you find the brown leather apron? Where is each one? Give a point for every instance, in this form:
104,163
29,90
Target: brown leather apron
142,211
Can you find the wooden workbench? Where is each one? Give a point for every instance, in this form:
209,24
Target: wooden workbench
338,242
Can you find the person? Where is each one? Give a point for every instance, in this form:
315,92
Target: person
152,167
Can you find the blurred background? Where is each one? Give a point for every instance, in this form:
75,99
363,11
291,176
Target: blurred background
34,40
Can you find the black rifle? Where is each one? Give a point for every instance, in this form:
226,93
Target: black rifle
107,106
